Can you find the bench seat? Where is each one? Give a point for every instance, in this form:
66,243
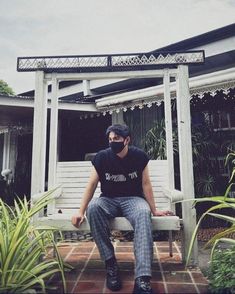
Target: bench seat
63,222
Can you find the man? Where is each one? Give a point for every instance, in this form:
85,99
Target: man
126,191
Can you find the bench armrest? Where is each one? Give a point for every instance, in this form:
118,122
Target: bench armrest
173,194
55,194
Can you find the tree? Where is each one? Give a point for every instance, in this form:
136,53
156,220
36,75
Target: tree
5,89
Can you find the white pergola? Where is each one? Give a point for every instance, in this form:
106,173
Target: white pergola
144,65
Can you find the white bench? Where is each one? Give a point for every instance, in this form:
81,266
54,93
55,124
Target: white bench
73,177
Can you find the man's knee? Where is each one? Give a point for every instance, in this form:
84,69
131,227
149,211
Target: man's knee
143,211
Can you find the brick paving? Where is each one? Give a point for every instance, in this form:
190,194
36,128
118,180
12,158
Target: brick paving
88,275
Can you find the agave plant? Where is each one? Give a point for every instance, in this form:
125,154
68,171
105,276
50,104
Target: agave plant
205,185
23,267
221,202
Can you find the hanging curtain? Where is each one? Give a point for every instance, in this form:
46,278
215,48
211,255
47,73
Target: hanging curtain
141,120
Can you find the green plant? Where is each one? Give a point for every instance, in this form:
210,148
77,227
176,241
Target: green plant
205,165
23,267
222,262
205,185
221,272
222,202
231,157
155,141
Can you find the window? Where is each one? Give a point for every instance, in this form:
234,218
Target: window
224,120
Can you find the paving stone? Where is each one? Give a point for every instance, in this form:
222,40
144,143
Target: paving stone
89,287
181,288
158,287
199,278
174,276
93,275
156,276
127,287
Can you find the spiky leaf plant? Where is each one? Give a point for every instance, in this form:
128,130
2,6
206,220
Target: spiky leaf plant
222,202
155,141
23,247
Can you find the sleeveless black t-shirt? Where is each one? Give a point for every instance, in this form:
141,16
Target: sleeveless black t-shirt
121,177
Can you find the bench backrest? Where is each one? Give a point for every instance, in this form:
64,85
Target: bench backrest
73,176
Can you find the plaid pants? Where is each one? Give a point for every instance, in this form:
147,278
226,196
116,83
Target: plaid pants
137,211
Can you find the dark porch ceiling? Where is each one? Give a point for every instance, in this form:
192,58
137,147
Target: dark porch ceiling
15,114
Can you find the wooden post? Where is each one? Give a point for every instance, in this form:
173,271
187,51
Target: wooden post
168,127
53,137
185,158
39,135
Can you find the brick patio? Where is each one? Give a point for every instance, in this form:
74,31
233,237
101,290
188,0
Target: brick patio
88,275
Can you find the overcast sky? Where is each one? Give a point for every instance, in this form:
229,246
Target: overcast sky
62,27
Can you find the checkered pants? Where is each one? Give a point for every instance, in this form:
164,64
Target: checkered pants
137,212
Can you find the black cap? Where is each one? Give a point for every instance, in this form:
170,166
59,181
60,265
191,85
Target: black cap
118,129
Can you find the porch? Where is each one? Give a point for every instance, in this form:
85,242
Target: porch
88,276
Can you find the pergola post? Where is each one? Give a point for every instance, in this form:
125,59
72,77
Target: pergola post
185,158
168,126
53,136
39,134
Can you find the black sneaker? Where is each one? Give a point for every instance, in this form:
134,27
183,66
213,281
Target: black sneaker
142,286
113,281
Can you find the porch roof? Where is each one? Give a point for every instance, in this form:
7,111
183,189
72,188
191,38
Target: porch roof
18,110
16,101
199,86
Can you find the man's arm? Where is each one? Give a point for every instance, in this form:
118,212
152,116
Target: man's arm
148,193
78,219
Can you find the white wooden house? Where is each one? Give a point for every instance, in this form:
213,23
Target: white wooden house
91,102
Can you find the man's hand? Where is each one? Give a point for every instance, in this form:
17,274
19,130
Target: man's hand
162,213
78,219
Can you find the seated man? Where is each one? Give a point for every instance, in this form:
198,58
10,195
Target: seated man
126,191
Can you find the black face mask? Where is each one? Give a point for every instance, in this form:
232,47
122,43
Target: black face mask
116,147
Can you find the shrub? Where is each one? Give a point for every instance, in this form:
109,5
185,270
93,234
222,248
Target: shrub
222,271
